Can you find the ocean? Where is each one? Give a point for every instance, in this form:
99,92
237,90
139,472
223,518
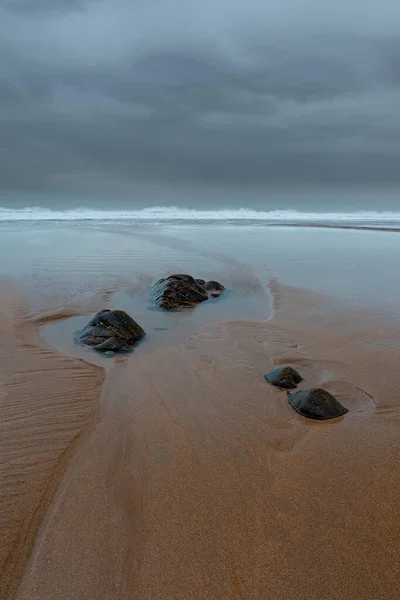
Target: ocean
171,214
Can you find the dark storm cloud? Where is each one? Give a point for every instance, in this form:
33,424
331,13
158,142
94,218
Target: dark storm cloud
209,95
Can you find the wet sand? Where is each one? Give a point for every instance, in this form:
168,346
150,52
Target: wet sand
177,472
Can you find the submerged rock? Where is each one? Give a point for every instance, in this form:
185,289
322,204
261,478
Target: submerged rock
316,404
111,330
181,290
284,377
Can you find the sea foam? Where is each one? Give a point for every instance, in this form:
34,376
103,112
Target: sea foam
176,214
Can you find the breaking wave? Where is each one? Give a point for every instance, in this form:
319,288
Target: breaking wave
172,214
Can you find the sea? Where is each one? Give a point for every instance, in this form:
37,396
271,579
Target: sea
170,214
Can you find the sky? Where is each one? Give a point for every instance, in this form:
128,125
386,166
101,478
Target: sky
258,103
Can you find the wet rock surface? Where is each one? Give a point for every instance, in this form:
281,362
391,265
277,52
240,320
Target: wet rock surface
110,330
182,290
284,377
316,403
214,288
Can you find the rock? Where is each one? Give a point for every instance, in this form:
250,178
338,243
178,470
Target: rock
111,330
181,290
284,377
214,289
316,404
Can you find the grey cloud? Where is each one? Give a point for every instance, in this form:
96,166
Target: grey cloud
35,7
167,92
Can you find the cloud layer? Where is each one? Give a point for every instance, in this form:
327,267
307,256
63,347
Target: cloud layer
112,95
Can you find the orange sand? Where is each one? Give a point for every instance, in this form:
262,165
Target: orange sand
188,477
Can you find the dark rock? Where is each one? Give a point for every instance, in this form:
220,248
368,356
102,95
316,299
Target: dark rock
181,290
316,404
111,330
214,289
284,377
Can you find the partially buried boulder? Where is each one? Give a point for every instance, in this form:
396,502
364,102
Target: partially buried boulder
183,291
111,330
284,377
316,404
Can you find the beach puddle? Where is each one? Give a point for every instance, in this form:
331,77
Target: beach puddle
162,327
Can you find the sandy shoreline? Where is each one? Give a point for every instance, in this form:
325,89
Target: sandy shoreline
186,476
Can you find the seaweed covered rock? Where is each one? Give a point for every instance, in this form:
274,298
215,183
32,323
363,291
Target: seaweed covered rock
181,290
111,330
316,404
284,377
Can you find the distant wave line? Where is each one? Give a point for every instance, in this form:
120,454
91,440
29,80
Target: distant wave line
388,220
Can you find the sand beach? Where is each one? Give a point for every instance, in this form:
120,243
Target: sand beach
176,472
